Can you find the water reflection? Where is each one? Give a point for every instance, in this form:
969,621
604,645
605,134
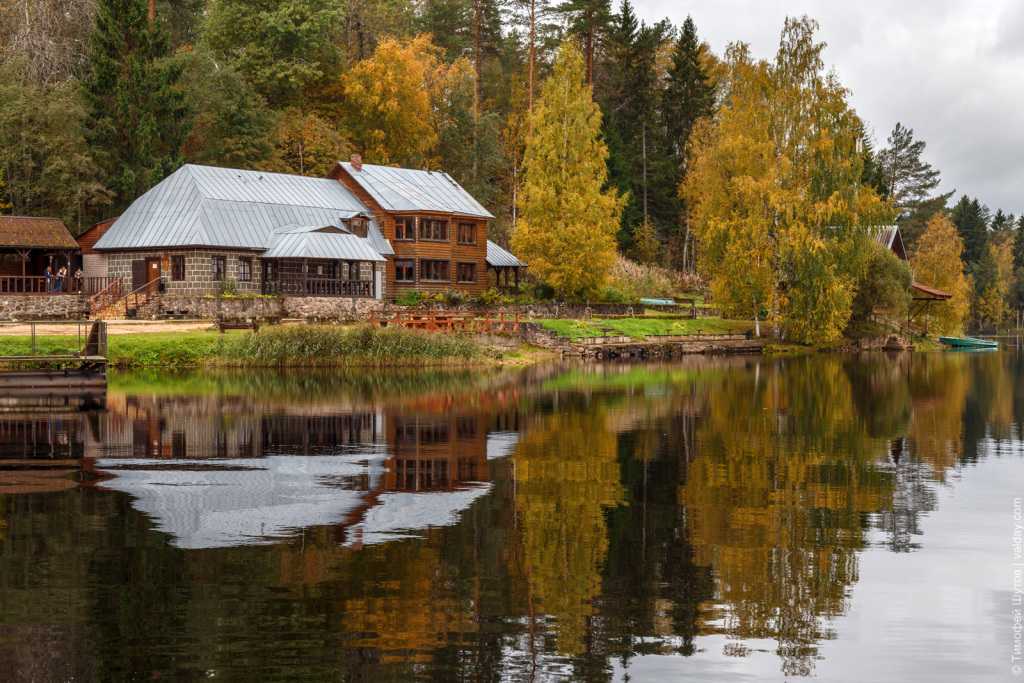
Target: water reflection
544,524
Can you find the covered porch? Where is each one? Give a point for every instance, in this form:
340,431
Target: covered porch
28,246
504,264
322,262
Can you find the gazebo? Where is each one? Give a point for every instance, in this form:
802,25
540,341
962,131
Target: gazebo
27,246
923,296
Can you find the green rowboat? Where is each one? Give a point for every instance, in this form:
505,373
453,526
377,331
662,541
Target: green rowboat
968,343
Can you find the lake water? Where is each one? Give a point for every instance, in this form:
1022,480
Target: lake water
844,518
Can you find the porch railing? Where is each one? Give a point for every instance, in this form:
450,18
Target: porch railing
40,284
314,287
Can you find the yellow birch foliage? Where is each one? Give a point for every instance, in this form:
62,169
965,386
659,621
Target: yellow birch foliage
774,191
937,263
568,222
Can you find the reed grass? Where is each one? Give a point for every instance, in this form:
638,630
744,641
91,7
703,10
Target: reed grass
363,345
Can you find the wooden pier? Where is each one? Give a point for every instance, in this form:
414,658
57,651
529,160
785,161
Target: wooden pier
58,373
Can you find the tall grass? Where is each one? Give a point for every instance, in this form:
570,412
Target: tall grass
637,280
324,345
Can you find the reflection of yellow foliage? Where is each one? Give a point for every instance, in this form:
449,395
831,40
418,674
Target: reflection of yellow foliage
566,476
775,501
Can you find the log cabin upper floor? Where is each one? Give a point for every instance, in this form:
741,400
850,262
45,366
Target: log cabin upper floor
364,231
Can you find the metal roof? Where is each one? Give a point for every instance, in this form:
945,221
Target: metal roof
224,207
323,245
26,232
501,258
405,189
929,292
889,237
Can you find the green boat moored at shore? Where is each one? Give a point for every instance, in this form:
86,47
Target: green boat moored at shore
968,343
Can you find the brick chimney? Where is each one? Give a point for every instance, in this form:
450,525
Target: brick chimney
357,162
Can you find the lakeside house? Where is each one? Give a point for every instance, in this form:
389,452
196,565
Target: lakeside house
364,231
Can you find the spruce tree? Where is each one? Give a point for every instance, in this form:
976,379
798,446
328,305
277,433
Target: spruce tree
637,102
569,220
689,96
1018,244
971,222
141,117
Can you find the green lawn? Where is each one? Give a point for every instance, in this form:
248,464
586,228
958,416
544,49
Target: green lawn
638,328
171,349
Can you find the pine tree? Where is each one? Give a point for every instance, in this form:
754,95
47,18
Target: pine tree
569,220
908,180
591,21
689,96
451,24
141,117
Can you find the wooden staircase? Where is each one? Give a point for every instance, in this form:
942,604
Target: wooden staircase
113,304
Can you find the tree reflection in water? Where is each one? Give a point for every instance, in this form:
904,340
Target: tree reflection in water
548,523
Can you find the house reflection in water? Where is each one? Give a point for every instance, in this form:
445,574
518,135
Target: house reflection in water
42,445
216,472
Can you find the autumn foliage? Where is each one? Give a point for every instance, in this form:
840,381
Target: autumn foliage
569,220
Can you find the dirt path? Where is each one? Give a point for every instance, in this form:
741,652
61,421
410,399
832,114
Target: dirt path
114,327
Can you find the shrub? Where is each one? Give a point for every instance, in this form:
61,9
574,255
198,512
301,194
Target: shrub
490,297
611,295
411,298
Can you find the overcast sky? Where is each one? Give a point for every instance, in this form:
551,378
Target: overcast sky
950,70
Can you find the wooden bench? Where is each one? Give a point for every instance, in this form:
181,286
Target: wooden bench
222,326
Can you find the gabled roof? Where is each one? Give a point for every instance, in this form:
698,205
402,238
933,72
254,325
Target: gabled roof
889,237
405,189
224,207
26,232
88,238
324,245
501,258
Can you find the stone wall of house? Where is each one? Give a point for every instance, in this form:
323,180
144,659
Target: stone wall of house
55,307
198,279
198,272
247,308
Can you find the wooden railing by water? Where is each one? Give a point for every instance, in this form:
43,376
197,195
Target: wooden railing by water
448,321
68,370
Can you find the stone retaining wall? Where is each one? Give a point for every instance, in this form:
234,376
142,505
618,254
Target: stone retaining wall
346,309
55,307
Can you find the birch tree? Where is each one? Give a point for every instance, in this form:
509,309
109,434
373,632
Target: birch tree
775,195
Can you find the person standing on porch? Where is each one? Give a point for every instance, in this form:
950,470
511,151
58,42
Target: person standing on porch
62,275
77,281
48,274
